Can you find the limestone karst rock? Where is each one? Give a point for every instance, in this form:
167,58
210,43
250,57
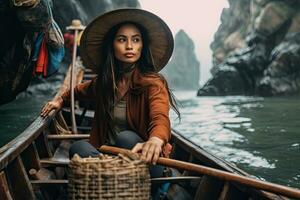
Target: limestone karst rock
258,41
182,72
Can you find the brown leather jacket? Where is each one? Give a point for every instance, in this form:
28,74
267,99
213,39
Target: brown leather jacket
147,109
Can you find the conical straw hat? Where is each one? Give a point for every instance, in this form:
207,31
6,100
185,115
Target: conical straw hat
160,36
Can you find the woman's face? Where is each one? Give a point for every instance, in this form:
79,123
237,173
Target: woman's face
128,44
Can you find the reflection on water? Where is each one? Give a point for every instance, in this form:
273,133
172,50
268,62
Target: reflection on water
259,135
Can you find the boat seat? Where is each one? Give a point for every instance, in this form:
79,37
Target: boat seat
60,157
89,76
68,137
46,162
153,180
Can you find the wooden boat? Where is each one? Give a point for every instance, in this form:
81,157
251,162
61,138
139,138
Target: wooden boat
32,166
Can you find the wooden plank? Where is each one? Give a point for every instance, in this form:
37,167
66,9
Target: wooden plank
190,160
84,129
39,183
177,192
177,179
43,147
19,181
30,158
88,71
54,162
68,137
153,180
60,157
224,194
230,192
89,76
209,188
42,174
4,189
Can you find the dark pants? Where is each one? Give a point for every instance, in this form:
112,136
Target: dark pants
125,139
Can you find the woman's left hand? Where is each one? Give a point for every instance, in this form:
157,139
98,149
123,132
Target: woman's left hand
150,149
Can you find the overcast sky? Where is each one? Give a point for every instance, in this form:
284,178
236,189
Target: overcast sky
199,19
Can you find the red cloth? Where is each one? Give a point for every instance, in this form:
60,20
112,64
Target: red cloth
42,60
69,41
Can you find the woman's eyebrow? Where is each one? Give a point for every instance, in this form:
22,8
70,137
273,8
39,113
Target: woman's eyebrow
136,35
121,36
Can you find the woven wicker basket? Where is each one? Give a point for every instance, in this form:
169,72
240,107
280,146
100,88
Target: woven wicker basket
107,177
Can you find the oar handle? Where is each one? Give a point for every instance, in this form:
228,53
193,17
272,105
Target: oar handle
258,184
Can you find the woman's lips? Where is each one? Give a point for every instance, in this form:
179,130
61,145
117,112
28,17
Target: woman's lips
129,55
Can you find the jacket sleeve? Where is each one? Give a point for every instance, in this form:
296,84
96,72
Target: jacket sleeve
159,107
82,91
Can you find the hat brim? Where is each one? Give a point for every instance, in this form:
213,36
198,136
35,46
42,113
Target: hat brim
160,36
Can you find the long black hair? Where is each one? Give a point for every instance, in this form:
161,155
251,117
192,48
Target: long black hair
110,73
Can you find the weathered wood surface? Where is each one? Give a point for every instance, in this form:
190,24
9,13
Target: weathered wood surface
4,190
30,158
216,173
209,188
17,177
11,150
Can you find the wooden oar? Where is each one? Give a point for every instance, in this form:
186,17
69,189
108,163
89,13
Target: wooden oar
73,120
258,184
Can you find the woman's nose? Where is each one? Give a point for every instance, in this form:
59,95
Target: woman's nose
128,45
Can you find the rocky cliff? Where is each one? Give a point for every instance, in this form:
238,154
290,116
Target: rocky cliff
182,72
256,50
19,29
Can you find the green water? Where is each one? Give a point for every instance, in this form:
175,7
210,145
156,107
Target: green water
260,135
18,114
276,137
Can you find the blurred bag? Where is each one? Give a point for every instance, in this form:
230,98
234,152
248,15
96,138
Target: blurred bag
55,36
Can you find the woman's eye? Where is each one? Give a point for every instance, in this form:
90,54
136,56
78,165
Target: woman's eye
121,39
136,39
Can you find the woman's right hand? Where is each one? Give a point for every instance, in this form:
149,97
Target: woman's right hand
55,104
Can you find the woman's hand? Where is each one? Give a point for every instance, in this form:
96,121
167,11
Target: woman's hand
150,149
55,104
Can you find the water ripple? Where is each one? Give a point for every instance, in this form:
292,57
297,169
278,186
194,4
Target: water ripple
210,121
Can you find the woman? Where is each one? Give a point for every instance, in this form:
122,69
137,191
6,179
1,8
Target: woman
126,48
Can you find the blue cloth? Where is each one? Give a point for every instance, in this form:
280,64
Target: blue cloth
55,56
37,46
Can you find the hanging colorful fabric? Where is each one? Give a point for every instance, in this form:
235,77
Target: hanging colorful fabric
42,59
55,46
37,46
55,56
